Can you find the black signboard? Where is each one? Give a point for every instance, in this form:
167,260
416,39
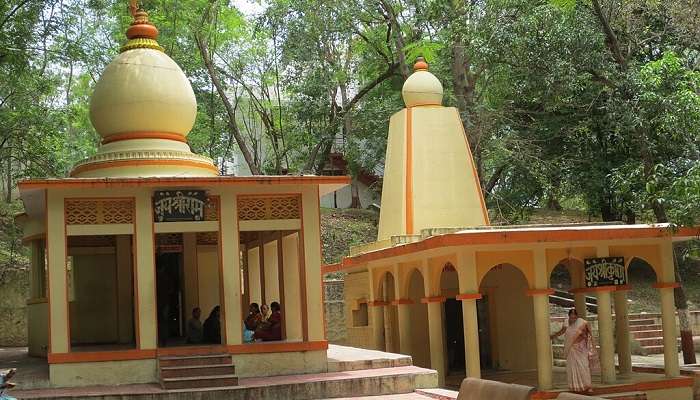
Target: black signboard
179,205
605,271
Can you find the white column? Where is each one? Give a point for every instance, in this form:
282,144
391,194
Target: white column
376,311
436,330
540,302
145,273
668,324
59,340
403,308
580,304
605,332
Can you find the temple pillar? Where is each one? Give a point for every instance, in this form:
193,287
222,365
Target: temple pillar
59,337
230,273
540,302
469,294
145,273
402,304
436,329
605,333
622,334
580,304
668,324
376,315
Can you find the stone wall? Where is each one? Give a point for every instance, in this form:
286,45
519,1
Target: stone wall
14,292
334,307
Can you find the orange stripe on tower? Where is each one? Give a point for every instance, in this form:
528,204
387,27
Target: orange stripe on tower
409,171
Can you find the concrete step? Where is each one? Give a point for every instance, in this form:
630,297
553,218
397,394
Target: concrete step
185,361
197,370
626,396
438,394
404,396
657,341
192,382
650,327
656,349
343,358
374,382
647,334
645,321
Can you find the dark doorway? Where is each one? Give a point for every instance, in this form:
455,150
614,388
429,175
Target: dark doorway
169,298
454,335
482,316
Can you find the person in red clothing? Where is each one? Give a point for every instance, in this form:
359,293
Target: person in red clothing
273,329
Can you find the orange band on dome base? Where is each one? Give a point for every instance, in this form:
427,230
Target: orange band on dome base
468,296
144,135
141,163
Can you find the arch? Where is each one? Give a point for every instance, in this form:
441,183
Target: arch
387,292
561,278
640,265
448,281
641,275
508,309
436,267
418,313
522,260
380,277
386,289
405,280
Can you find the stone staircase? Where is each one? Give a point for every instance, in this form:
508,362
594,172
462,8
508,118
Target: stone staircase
197,371
649,334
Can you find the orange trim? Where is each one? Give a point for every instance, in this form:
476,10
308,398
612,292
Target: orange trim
487,237
377,303
424,105
621,288
100,356
434,299
273,347
661,384
666,285
468,296
538,292
140,163
609,288
144,135
38,300
184,181
191,350
409,171
329,268
402,301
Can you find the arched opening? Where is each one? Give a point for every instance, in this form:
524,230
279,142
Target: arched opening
387,292
641,276
454,323
506,321
418,312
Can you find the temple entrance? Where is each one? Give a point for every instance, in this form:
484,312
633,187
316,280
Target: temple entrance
188,289
418,311
506,321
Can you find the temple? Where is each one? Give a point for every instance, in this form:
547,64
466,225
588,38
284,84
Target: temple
145,231
463,297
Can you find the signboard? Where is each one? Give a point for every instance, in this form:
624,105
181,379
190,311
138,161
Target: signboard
179,205
605,271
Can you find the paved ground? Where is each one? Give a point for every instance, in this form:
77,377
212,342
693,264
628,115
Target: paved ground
32,372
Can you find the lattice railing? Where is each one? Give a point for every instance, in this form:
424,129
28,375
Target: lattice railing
99,211
263,208
211,210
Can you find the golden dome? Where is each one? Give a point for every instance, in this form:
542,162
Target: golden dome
143,106
422,88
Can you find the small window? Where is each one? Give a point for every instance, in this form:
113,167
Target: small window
359,316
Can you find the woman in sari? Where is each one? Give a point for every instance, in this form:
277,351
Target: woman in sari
252,321
577,348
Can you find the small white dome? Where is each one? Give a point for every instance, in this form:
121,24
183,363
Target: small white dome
422,88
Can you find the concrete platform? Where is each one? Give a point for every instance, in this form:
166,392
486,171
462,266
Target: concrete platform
344,358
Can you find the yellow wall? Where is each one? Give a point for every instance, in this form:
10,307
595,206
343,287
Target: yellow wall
420,351
208,278
125,290
254,275
394,184
512,315
292,299
356,288
93,312
37,329
445,189
103,373
272,285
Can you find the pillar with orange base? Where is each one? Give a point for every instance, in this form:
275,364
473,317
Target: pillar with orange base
403,306
468,286
605,332
622,333
540,302
668,324
376,315
437,336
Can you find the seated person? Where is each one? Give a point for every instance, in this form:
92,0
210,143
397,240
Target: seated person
265,312
194,327
251,323
212,327
273,329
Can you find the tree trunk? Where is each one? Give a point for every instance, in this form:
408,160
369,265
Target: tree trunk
8,184
687,345
355,203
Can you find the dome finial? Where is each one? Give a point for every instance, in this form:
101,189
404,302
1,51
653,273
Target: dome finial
420,64
142,34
